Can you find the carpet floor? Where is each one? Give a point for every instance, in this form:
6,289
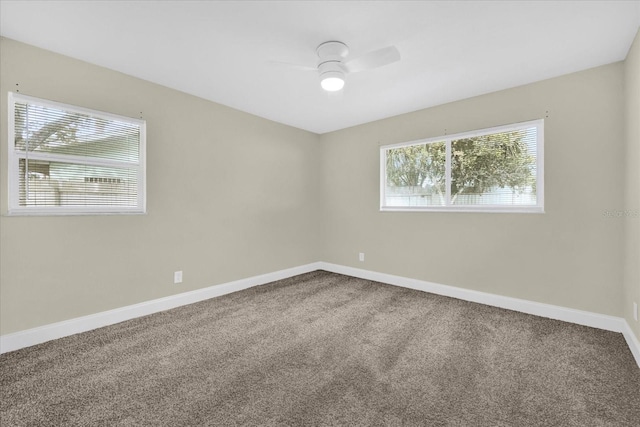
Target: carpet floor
326,349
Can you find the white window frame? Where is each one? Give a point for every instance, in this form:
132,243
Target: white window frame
15,155
447,139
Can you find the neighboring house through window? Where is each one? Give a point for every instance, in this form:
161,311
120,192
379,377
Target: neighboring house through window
71,160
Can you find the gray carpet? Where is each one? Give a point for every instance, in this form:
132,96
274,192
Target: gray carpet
326,349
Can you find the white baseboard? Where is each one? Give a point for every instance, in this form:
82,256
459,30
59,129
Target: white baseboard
632,341
585,318
29,337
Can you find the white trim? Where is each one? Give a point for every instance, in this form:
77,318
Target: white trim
13,169
447,176
580,317
467,134
29,337
383,175
632,342
464,208
586,318
142,170
540,165
74,108
88,210
447,140
14,156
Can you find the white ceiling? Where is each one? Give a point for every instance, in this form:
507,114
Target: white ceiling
226,51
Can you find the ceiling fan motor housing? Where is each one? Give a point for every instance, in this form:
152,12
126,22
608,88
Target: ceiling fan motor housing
332,51
331,54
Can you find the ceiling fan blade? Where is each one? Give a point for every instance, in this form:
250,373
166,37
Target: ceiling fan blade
374,59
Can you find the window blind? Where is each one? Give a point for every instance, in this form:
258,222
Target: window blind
68,159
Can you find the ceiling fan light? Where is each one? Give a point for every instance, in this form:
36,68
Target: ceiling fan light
332,81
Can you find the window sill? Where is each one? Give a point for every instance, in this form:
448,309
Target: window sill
464,209
49,212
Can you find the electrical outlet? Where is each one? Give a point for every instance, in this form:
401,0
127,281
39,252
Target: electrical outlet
361,256
177,277
635,311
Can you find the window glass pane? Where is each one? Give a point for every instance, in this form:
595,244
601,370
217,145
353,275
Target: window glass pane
43,183
496,169
415,175
45,129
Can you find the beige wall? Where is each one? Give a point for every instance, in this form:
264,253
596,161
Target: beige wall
230,196
570,256
632,185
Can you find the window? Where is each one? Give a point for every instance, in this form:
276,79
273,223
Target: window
490,170
71,160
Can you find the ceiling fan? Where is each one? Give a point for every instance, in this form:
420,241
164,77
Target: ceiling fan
334,63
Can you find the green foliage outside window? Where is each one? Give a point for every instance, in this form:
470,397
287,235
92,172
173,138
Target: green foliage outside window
478,165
